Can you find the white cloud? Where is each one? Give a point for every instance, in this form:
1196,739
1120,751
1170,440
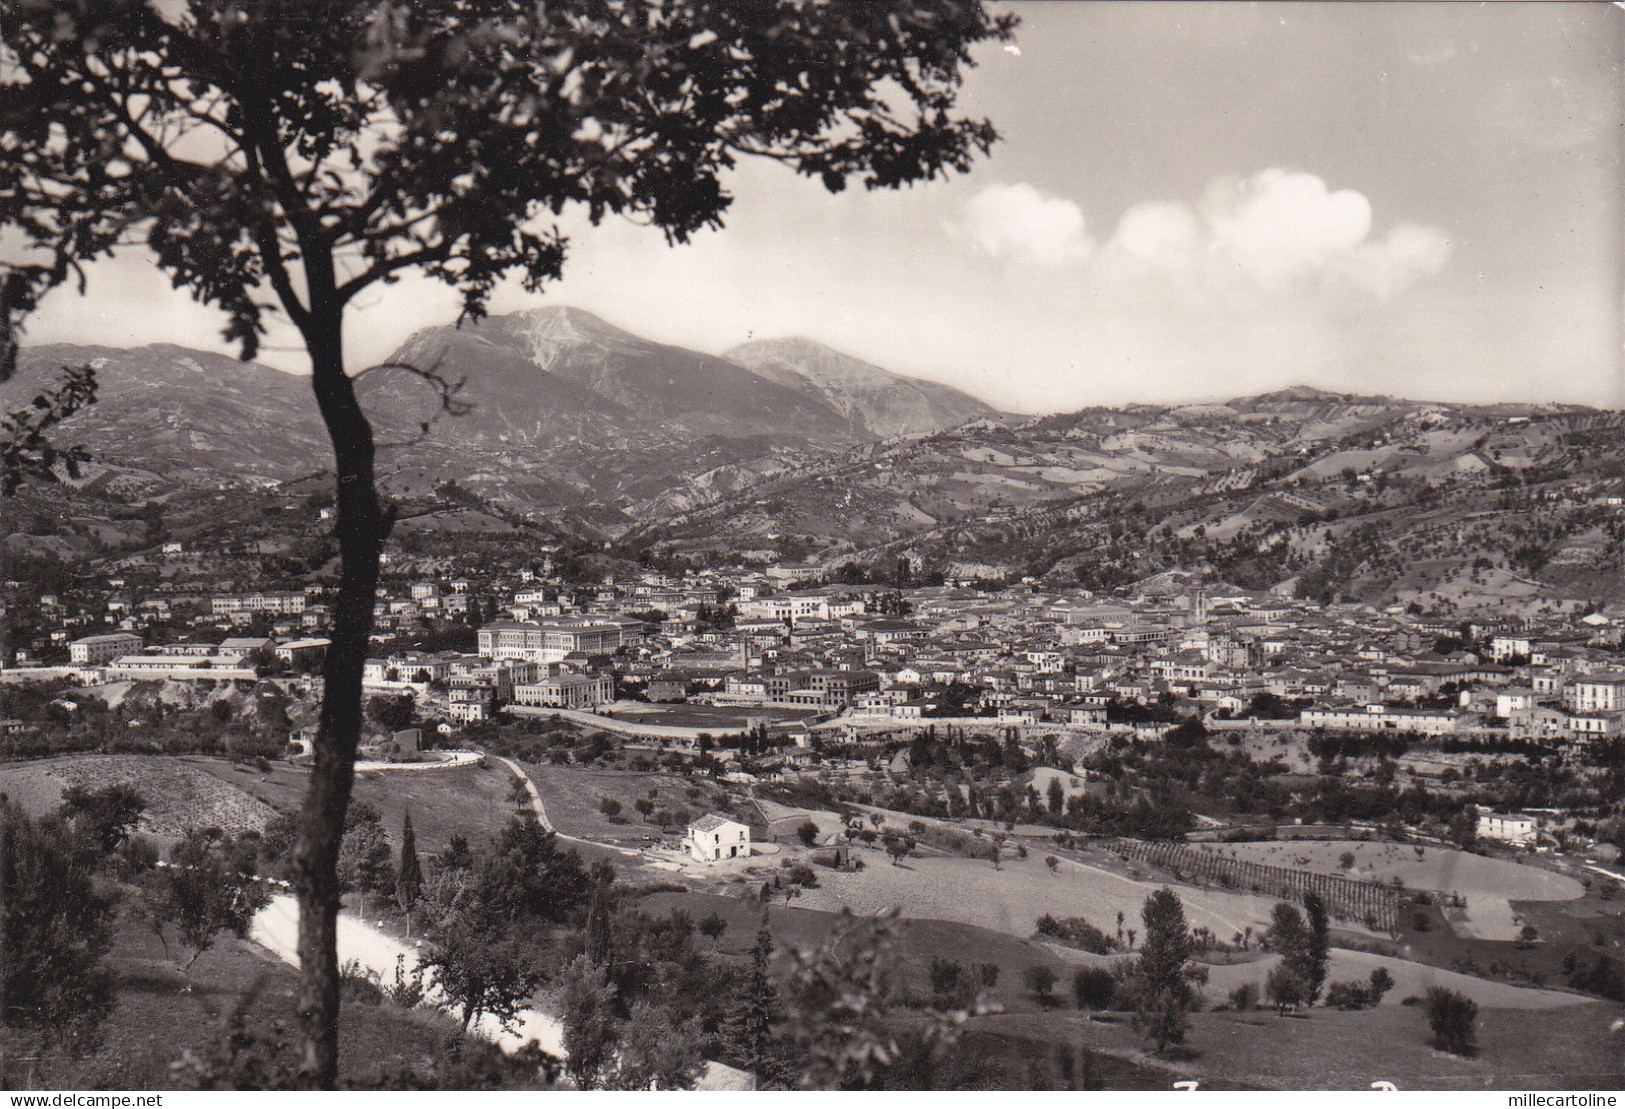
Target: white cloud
1020,223
1277,233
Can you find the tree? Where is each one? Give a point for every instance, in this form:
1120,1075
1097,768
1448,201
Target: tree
899,847
455,856
1463,828
599,936
208,888
364,861
1092,988
409,878
1451,1016
25,450
1380,983
276,162
1316,957
589,1023
712,927
394,712
1052,862
1166,1000
1040,979
747,1032
1285,987
57,928
807,833
106,816
478,958
1056,796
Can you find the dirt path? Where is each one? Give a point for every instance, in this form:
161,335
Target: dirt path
276,928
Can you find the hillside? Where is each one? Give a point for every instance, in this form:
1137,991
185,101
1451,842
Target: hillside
569,418
881,402
1370,498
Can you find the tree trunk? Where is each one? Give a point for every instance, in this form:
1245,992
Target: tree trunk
361,529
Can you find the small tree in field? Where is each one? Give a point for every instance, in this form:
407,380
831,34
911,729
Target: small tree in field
1286,989
1040,979
208,888
275,157
712,927
1092,988
1452,1017
807,833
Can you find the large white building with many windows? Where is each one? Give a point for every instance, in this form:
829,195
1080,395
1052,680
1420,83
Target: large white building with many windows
549,641
96,650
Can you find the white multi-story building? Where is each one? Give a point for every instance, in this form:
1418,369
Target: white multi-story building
96,650
1596,692
551,641
568,691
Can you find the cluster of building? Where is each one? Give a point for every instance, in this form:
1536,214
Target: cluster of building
1029,655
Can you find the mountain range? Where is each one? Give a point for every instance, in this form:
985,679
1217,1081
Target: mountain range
584,429
566,412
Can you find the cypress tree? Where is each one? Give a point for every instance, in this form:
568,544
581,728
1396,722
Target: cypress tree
409,882
598,919
748,1029
1317,946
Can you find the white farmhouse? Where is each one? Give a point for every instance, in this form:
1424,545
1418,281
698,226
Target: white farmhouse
713,837
1513,828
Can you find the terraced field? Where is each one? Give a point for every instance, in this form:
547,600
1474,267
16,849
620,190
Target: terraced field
179,796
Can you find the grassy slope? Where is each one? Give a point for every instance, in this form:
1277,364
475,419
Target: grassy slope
157,1017
470,801
1570,1049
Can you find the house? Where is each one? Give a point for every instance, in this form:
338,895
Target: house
712,838
1513,828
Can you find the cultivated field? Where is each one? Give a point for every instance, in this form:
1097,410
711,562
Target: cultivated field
921,940
180,796
469,801
572,796
1011,900
1488,885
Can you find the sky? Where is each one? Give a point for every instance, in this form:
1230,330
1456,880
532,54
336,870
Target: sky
1188,202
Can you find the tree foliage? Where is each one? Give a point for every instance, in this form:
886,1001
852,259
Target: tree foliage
58,928
279,157
1167,996
1453,1018
106,816
209,887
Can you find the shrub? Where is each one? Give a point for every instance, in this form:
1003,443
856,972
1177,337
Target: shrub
807,833
1093,987
1244,997
1380,983
1040,979
1349,995
1452,1018
609,807
1076,932
1286,988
